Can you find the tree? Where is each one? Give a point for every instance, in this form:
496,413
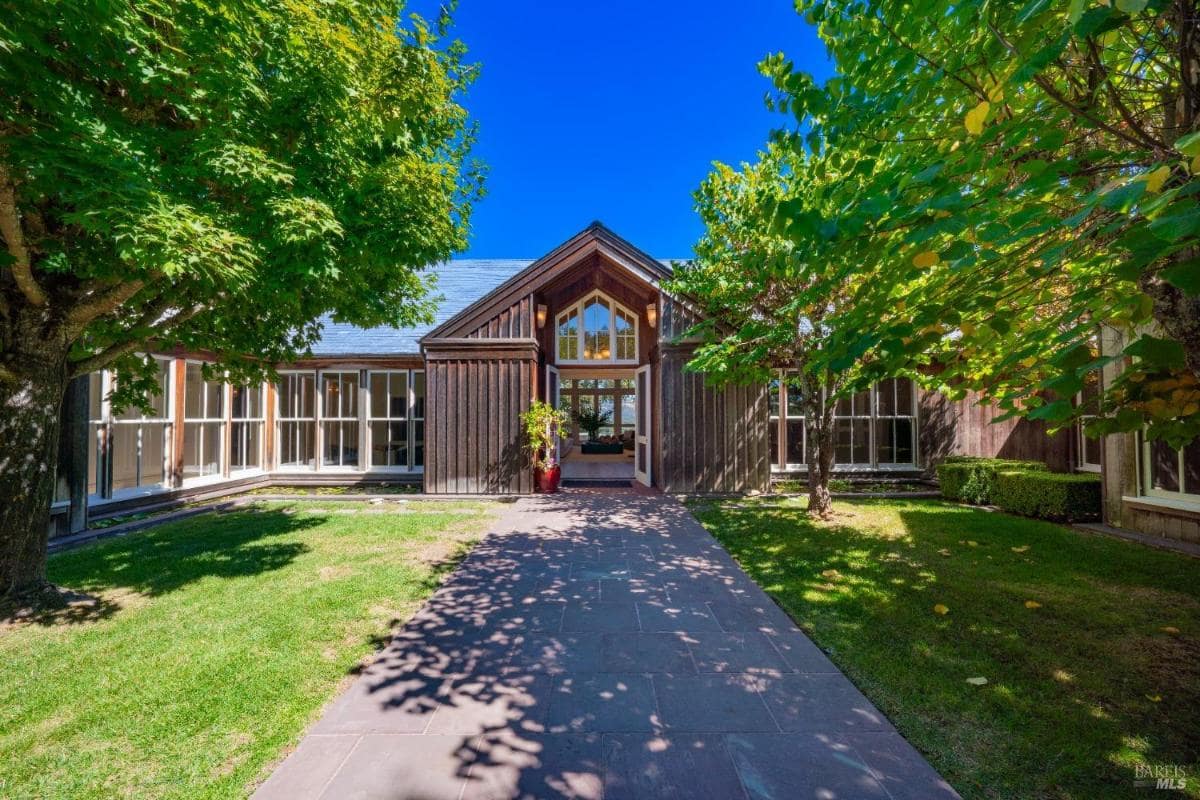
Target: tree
212,176
767,305
1018,175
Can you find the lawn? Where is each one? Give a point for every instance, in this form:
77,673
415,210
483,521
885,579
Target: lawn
1090,646
217,640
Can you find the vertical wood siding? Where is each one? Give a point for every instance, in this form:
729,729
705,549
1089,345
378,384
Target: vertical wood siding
475,443
513,322
964,427
713,440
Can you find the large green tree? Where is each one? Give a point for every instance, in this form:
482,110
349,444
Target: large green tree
212,175
768,306
1016,177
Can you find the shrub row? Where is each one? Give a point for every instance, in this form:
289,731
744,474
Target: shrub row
1059,496
972,480
1021,487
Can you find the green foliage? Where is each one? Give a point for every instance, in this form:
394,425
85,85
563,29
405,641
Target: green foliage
992,181
591,420
544,425
970,479
1063,497
221,175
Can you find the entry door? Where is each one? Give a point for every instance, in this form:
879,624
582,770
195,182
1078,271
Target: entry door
642,427
554,398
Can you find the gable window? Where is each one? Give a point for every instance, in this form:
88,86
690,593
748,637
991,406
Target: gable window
596,329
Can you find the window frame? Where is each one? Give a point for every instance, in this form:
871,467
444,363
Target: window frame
578,308
222,424
1146,478
235,422
102,429
357,418
410,420
281,419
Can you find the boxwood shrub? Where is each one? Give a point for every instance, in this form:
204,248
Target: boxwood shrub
969,479
1063,497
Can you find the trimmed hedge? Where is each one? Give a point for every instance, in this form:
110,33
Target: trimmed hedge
1063,497
969,479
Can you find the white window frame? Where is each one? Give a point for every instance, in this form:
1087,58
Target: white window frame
780,464
358,417
581,331
102,439
407,419
280,419
223,421
1081,439
235,422
1145,478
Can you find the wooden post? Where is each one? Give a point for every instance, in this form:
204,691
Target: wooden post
177,414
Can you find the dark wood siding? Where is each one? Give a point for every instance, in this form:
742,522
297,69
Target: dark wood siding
473,407
964,427
713,440
512,322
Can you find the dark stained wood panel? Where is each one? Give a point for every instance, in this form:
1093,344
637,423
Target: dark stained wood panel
965,427
473,408
713,440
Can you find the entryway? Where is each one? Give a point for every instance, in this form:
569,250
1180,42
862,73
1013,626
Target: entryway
607,440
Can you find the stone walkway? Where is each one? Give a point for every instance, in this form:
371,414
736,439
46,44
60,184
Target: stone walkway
602,645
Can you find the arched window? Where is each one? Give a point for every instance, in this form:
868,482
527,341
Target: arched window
596,329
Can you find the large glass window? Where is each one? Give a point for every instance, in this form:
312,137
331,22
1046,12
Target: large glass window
388,423
597,329
339,419
616,397
140,441
297,420
872,429
246,434
1169,473
203,423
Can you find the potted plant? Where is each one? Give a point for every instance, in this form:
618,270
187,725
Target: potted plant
543,426
591,420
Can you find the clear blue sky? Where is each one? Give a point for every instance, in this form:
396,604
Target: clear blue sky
614,110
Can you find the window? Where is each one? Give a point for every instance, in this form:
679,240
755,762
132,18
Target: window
597,329
246,433
297,420
1169,473
203,423
140,443
339,419
616,397
132,449
894,415
418,420
872,429
393,420
1088,447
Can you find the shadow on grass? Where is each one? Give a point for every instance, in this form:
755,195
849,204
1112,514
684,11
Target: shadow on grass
162,559
1080,687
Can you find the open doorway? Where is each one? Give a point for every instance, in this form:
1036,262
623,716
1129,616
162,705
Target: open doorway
601,436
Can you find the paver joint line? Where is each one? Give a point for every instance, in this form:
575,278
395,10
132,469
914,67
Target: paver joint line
602,645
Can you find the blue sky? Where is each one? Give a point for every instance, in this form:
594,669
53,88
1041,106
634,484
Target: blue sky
614,110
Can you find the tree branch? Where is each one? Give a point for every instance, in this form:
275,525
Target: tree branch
14,240
83,314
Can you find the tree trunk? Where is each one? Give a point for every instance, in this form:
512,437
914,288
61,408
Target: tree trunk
32,395
819,422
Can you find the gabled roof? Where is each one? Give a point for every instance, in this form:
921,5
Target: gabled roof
460,283
596,237
468,285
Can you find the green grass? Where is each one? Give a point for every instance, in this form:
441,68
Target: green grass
216,642
1079,690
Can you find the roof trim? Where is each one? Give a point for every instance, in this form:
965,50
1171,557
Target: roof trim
596,237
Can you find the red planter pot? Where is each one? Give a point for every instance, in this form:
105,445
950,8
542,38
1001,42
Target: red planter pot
547,479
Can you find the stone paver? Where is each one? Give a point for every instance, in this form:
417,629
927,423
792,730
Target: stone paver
601,645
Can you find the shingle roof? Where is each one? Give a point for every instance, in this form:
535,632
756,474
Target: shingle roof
460,282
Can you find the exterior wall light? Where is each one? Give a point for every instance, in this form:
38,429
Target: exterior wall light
541,316
652,314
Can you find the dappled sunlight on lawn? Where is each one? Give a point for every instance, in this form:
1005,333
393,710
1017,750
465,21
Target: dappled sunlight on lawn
1083,644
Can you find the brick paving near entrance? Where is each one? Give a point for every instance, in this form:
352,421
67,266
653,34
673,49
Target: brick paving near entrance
602,645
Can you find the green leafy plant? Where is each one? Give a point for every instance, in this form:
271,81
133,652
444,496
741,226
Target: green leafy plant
591,420
1063,497
970,479
212,176
544,425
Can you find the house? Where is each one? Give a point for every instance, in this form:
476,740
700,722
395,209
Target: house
588,325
